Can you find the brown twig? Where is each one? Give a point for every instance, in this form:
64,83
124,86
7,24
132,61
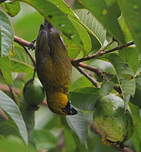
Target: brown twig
12,93
3,115
127,149
4,87
23,42
102,52
97,71
93,81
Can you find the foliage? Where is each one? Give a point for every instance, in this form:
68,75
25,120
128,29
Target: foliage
97,32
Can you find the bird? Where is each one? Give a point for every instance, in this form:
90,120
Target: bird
54,69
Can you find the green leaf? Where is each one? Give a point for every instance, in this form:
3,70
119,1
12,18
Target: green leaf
125,76
9,65
136,138
131,11
61,16
44,139
106,88
5,66
92,24
79,125
10,107
63,7
8,127
23,22
107,15
103,65
28,117
9,145
18,66
69,140
84,98
72,48
11,8
131,56
125,29
109,2
20,55
7,76
80,83
86,40
6,34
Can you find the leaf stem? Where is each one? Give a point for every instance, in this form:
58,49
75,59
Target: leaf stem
33,61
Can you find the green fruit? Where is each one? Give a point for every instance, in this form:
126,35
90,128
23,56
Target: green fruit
111,120
137,97
33,92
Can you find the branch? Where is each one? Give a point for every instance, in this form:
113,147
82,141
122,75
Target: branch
23,42
97,71
3,115
12,93
93,81
102,52
4,87
33,62
127,149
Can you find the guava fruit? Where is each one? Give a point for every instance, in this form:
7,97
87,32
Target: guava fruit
33,92
111,120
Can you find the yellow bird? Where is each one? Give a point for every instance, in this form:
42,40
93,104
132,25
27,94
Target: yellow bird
54,69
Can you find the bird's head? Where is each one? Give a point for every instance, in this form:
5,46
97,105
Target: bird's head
58,103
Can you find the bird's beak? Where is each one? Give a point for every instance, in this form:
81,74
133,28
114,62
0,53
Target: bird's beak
69,109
